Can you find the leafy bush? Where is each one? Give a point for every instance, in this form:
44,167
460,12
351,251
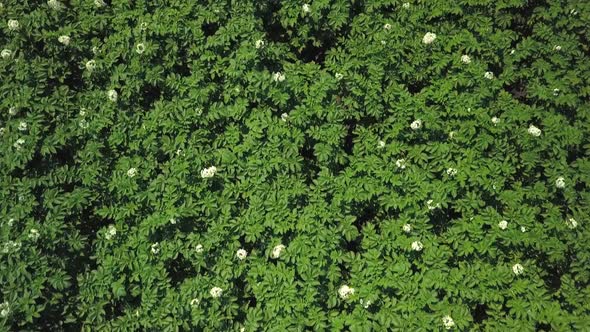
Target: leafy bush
288,166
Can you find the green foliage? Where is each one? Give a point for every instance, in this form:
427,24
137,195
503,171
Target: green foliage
111,221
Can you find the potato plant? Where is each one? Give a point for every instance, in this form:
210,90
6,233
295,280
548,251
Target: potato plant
329,165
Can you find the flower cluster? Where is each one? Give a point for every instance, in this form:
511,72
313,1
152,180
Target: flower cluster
113,95
345,292
534,131
155,248
417,246
4,309
13,25
276,251
54,4
216,292
111,232
65,40
571,223
11,246
448,322
241,254
19,143
34,234
278,77
517,269
208,172
6,54
417,124
259,44
132,172
503,224
432,206
429,38
560,182
400,163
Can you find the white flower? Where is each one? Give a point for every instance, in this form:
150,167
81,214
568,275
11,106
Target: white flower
33,234
6,54
173,221
195,302
557,48
560,182
495,120
216,292
503,224
139,48
199,248
284,117
276,251
555,92
534,131
4,309
132,172
366,303
19,143
407,228
344,292
99,3
573,12
113,95
400,163
12,110
428,38
571,223
466,59
522,229
10,222
155,248
512,52
417,124
383,42
452,134
387,26
208,172
306,8
82,111
83,124
381,144
241,254
430,206
13,246
406,5
451,171
90,65
489,75
111,232
259,43
65,40
22,126
278,77
54,4
95,50
517,269
338,76
13,25
417,246
448,322
2,130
